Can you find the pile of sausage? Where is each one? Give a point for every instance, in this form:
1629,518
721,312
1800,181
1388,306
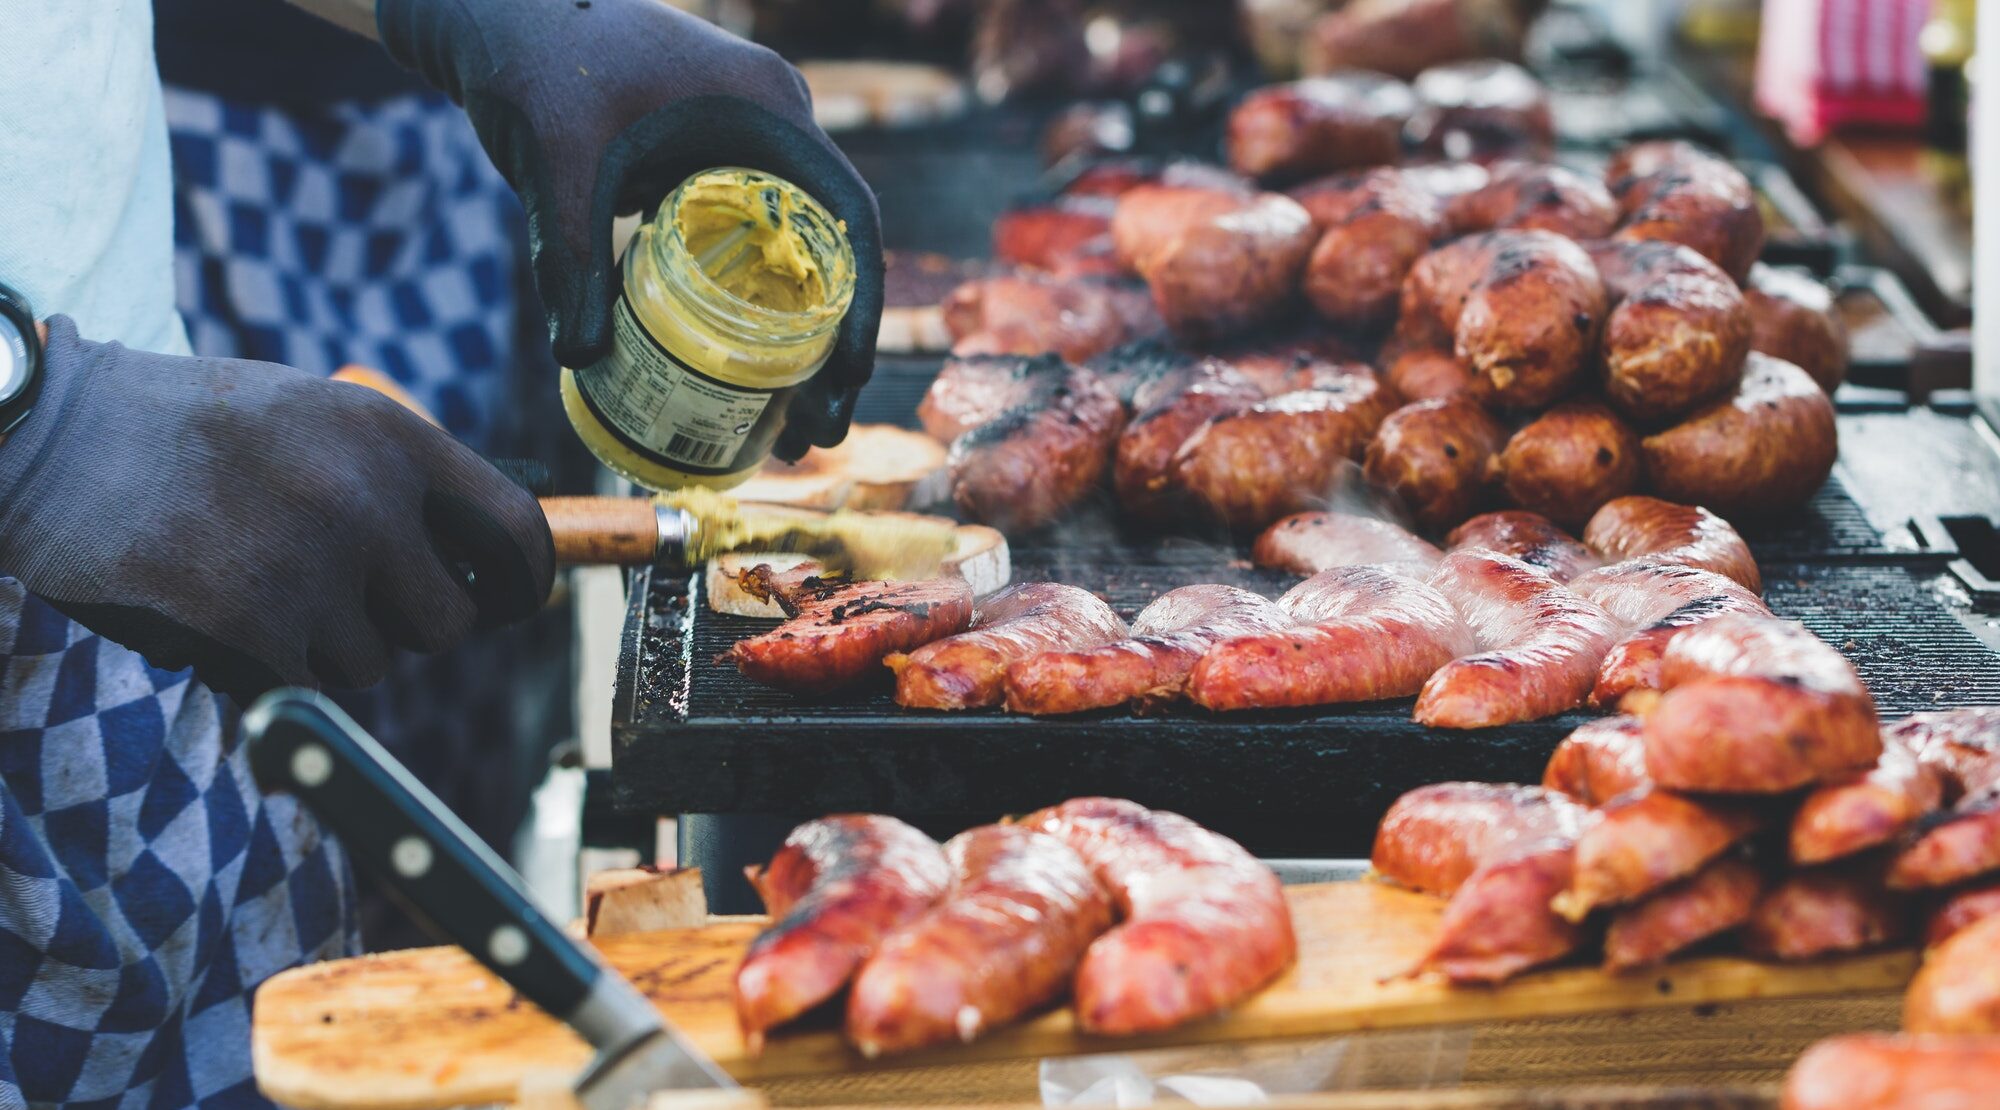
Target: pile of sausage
1934,797
1461,335
1518,621
1144,918
1753,795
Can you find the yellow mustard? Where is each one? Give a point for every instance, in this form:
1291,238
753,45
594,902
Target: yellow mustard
867,545
730,297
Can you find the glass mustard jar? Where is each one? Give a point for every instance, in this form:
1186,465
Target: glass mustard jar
730,297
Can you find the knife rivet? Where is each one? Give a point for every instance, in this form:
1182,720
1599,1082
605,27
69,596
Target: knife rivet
508,946
411,857
311,765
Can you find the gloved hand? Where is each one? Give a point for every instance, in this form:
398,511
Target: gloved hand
258,523
592,108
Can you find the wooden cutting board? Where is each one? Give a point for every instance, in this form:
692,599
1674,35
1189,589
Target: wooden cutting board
429,1028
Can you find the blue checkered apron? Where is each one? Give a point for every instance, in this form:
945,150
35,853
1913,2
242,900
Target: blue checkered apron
145,885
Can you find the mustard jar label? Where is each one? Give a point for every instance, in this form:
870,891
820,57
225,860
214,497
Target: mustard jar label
665,409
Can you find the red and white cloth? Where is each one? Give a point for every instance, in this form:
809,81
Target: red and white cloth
1823,64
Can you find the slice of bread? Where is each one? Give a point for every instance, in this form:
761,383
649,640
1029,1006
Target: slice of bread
819,480
913,329
876,467
981,558
642,900
886,464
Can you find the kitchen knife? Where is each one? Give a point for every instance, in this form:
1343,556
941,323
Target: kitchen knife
398,832
687,527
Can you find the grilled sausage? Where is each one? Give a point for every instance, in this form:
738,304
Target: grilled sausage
1482,110
1372,228
1032,314
1536,197
1678,331
1168,637
1599,761
1406,37
1823,911
1142,373
1866,809
1522,307
1540,644
1660,600
1320,125
1363,634
1683,194
1887,1071
1530,537
1962,908
1569,461
1217,261
1769,446
1289,363
1203,924
1427,374
976,389
969,670
839,631
1958,988
1646,839
1962,743
1953,846
1021,911
1665,532
1142,470
1307,543
1501,853
1447,181
1633,663
835,890
1963,842
1037,461
1056,236
1434,456
1757,705
1283,455
1112,177
1718,898
1793,317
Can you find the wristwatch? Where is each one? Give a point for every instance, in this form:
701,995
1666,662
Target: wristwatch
20,360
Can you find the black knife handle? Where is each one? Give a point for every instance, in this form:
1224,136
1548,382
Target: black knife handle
397,831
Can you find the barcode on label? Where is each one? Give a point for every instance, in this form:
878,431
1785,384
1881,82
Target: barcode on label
700,452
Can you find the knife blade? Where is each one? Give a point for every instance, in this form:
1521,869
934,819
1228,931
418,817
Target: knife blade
397,831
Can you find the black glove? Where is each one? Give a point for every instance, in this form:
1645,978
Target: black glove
258,523
593,108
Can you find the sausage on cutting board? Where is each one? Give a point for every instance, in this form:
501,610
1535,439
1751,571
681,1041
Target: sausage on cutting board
1501,853
835,890
1203,923
1022,909
1757,705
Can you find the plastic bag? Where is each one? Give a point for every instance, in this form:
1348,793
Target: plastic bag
1254,1073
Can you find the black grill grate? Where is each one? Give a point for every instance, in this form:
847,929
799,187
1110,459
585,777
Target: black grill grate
695,736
